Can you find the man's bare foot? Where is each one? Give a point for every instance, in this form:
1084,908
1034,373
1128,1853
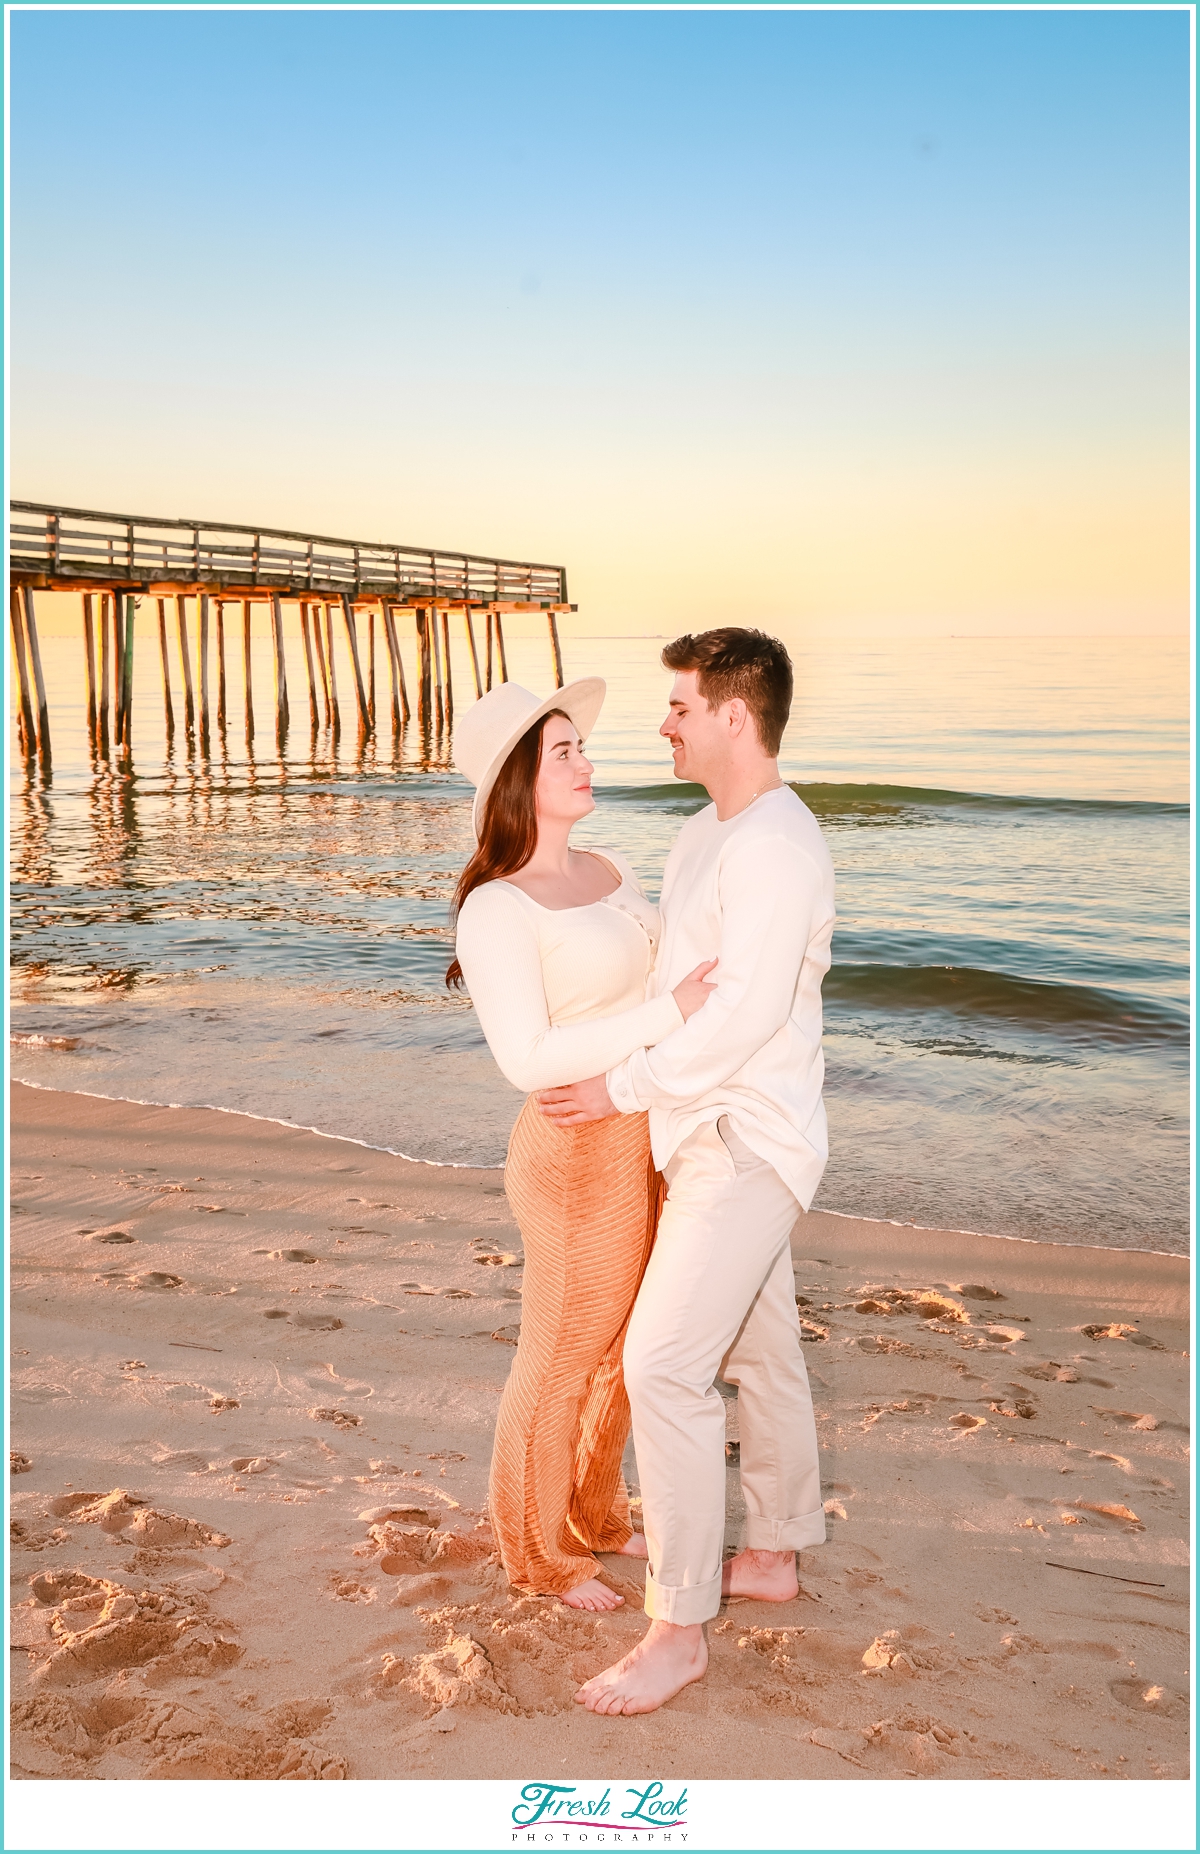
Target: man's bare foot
768,1575
591,1595
667,1659
635,1546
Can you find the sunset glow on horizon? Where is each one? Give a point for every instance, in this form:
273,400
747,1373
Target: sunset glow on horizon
836,322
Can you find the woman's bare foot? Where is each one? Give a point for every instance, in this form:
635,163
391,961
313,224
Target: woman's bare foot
635,1546
667,1659
768,1575
591,1595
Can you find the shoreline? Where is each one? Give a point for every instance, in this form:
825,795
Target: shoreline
395,1152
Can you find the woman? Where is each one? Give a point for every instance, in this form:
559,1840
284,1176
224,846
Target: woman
555,946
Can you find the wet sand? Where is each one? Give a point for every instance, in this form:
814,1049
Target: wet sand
249,1540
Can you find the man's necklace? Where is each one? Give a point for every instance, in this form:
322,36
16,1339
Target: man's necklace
773,787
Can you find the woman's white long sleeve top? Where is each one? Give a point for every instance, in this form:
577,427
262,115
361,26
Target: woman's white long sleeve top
561,992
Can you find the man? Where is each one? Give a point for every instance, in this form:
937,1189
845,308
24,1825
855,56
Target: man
737,1125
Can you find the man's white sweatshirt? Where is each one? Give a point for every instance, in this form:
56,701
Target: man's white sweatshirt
757,892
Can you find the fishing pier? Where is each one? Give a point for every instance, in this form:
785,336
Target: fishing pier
123,565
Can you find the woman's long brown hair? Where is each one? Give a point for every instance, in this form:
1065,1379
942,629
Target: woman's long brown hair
509,833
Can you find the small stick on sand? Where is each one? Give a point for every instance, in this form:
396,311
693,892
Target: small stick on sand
1112,1576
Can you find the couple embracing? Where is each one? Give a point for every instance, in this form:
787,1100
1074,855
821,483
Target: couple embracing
673,1129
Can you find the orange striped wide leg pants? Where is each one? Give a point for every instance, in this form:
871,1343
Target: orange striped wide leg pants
586,1200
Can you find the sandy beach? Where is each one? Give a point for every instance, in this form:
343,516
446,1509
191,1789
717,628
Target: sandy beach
249,1541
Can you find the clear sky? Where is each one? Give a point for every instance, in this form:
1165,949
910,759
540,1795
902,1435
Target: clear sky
850,322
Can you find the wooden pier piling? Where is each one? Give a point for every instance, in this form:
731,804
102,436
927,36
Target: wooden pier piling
449,672
220,662
439,704
26,727
247,673
333,694
202,649
488,666
385,618
317,620
557,649
117,615
500,646
425,685
474,653
105,666
313,710
168,706
185,659
371,665
281,694
89,646
360,693
127,675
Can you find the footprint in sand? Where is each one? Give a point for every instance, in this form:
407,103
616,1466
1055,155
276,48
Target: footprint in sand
111,1236
974,1290
419,1587
341,1419
120,1511
307,1322
18,1463
252,1464
288,1255
1136,1419
217,1404
506,1260
1109,1510
889,1652
403,1515
926,1303
1115,1330
1141,1697
99,1628
967,1423
349,1590
156,1279
876,1343
1051,1372
187,1458
169,1739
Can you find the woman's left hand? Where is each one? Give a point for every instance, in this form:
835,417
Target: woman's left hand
692,994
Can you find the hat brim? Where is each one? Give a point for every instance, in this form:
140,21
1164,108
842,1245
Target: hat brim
581,701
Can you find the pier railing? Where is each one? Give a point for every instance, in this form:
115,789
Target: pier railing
77,547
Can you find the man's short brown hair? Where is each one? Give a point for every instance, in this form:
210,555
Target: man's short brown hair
749,664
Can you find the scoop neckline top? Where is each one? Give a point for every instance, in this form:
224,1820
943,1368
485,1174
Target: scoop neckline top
582,906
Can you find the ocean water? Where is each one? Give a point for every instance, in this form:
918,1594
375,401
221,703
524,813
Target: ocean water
1007,1018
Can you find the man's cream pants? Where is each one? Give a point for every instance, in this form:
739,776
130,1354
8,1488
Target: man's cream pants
719,1298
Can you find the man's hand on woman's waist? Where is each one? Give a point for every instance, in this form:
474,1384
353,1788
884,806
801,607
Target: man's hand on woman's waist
576,1105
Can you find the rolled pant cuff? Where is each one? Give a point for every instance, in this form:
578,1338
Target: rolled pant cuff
785,1534
683,1603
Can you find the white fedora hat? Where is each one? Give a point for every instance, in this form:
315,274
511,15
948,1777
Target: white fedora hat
491,728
